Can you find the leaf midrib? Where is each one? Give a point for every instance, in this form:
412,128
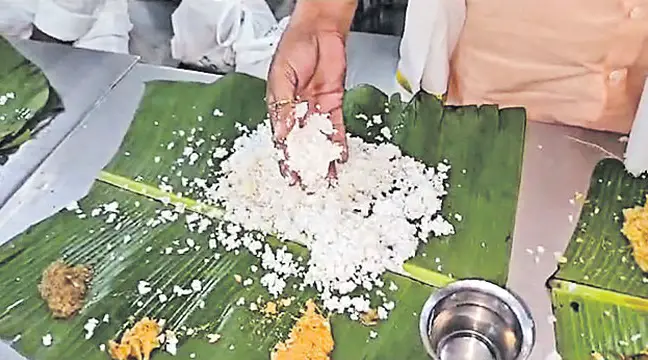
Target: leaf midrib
410,270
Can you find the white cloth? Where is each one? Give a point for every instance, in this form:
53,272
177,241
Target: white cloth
94,24
226,34
432,29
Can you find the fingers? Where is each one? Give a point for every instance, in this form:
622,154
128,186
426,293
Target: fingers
280,96
283,165
288,174
339,133
332,174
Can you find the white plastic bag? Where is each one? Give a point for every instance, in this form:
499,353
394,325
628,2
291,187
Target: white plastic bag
432,29
110,30
254,56
93,24
206,32
67,20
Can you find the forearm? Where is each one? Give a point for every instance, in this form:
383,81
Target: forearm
328,15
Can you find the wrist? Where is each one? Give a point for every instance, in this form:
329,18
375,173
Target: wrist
325,15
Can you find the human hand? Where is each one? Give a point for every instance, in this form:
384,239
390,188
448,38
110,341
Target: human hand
310,66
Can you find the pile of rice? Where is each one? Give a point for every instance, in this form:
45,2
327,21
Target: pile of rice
383,204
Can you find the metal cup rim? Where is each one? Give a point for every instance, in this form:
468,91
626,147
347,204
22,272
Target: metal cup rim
513,301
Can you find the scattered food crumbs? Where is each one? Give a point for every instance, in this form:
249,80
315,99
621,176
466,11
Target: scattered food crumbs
238,278
386,133
196,285
270,308
213,338
90,327
310,338
369,318
143,287
47,340
137,342
171,342
597,356
579,197
64,287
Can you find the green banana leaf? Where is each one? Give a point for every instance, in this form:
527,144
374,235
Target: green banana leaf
182,114
29,101
600,275
590,320
484,146
120,264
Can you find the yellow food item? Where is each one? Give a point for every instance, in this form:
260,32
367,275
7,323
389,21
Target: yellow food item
370,318
309,339
270,308
137,342
64,288
635,228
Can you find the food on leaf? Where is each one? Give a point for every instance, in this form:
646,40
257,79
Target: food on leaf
64,288
370,317
635,228
309,339
137,342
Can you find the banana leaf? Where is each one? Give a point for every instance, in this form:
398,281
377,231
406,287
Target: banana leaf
27,100
136,251
594,321
173,116
484,146
599,275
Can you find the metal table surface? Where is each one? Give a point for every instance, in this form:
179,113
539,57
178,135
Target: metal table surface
81,77
556,165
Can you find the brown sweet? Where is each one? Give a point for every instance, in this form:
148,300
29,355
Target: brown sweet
64,288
